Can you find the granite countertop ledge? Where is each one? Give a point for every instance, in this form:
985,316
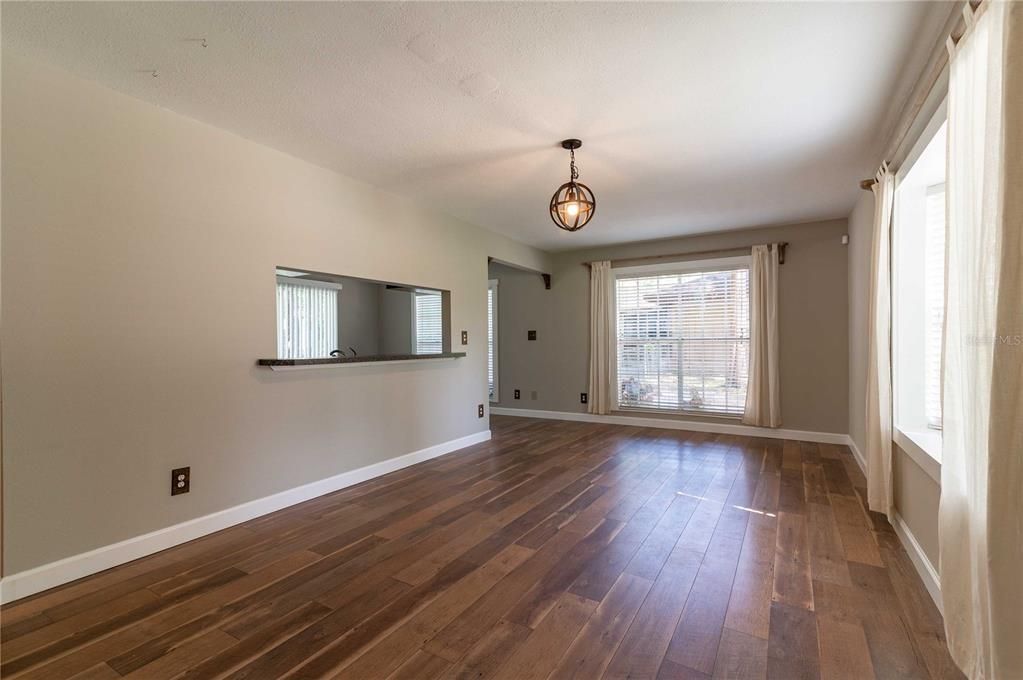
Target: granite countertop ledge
368,359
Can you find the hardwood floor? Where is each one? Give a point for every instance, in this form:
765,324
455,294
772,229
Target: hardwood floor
556,550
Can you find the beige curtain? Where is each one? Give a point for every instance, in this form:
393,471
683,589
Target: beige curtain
980,520
763,400
879,354
601,337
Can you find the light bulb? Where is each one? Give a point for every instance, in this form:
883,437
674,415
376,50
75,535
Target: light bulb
572,209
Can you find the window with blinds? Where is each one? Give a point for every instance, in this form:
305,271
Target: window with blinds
307,323
492,339
683,339
427,323
934,301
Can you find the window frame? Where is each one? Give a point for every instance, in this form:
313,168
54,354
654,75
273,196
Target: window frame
682,267
492,285
924,447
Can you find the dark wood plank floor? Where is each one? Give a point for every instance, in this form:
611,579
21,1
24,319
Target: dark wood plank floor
556,550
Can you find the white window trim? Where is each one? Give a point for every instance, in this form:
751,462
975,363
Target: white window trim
937,119
920,447
686,267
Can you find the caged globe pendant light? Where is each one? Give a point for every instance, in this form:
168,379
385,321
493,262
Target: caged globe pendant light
573,204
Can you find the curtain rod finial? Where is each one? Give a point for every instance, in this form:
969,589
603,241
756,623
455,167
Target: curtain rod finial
866,184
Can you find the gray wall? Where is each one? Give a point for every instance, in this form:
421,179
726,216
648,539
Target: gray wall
395,321
523,305
813,311
139,254
916,493
359,316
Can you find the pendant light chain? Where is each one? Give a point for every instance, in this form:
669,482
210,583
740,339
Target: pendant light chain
575,173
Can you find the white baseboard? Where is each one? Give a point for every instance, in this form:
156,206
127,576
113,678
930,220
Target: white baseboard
857,454
923,565
31,581
928,574
678,424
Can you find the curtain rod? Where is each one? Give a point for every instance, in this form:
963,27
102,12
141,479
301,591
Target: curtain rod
678,256
956,33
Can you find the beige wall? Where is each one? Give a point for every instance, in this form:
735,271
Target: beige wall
916,501
812,308
916,493
139,250
861,224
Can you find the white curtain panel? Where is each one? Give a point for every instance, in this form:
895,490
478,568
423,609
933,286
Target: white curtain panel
880,496
763,399
980,521
601,341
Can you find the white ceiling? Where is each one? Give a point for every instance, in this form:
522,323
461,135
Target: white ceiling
694,117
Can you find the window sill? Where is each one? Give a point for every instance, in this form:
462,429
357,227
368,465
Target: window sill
334,362
924,448
685,413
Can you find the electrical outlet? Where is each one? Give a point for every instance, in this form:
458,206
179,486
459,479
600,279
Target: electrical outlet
518,394
465,337
531,335
583,399
532,395
181,479
479,410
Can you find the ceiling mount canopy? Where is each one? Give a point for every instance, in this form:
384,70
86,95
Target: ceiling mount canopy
573,204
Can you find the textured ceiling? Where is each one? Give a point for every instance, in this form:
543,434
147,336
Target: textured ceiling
694,117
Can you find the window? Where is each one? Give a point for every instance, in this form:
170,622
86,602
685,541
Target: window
427,329
683,336
918,293
492,340
934,300
307,319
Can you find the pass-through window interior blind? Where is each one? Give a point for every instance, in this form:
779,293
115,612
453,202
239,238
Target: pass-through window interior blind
934,301
683,340
427,322
492,338
306,320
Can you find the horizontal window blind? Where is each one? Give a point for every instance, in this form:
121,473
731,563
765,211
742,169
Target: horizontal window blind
934,301
683,341
427,311
306,321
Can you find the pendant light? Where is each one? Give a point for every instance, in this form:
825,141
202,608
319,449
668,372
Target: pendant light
573,204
